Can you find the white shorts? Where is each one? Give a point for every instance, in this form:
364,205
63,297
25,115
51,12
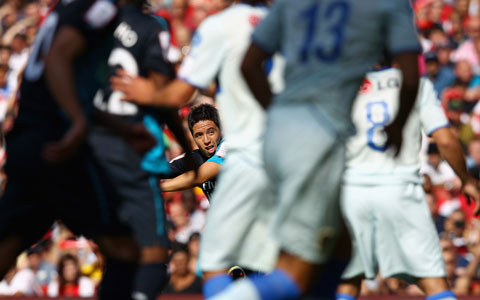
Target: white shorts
392,232
236,230
304,160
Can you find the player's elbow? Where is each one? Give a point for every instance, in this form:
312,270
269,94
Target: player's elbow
445,139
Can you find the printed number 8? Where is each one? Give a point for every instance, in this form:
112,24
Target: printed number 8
377,123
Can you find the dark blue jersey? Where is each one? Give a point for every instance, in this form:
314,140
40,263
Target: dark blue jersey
95,20
141,42
140,45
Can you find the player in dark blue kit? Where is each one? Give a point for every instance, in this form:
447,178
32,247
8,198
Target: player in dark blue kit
51,171
140,43
204,125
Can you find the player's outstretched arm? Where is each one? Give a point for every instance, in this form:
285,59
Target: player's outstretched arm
408,64
255,76
207,171
68,44
144,91
451,150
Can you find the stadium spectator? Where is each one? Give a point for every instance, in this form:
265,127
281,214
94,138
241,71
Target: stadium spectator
468,50
44,271
20,283
181,220
70,282
193,247
182,279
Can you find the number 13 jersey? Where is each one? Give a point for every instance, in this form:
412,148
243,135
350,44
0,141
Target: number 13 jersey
329,45
368,160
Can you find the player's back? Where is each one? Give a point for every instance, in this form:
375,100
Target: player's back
376,105
330,44
94,20
139,47
228,35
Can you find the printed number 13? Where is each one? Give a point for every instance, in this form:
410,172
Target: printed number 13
336,30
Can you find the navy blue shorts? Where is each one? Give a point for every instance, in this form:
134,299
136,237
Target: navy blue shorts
142,202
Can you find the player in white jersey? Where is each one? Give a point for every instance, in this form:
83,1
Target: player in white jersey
383,199
236,228
329,45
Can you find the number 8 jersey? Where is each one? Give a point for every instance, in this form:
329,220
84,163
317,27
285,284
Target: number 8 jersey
368,160
329,45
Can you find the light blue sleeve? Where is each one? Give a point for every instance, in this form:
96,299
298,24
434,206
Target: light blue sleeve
219,155
268,34
400,33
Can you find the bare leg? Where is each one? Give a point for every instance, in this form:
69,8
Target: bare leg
350,286
431,286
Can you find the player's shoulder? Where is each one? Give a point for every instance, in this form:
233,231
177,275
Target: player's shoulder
380,80
96,14
221,149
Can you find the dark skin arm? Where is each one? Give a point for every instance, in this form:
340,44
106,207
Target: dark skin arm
254,75
68,44
408,64
451,150
141,91
206,171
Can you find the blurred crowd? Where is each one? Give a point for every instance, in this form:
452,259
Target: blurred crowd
449,30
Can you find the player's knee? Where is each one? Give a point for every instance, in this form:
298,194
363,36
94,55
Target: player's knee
123,248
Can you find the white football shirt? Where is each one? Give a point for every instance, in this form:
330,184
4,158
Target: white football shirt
375,107
218,48
329,45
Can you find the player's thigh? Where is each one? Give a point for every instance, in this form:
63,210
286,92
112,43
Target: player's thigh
88,202
305,160
140,199
358,212
236,229
406,238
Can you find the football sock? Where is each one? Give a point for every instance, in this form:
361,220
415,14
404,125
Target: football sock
445,295
150,281
277,285
117,282
216,284
344,297
326,285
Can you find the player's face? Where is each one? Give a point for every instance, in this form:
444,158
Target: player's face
207,136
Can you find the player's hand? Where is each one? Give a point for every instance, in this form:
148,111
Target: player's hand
59,151
471,191
135,89
140,138
394,137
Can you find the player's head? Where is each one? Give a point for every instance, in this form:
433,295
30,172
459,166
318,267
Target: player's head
204,124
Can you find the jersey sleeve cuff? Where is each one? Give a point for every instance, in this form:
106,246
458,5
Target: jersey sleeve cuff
437,128
262,45
406,50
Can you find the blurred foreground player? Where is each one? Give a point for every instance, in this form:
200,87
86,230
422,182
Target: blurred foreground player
382,198
327,53
236,229
51,172
140,42
204,125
